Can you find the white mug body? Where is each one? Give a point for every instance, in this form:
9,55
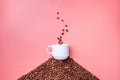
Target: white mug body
59,52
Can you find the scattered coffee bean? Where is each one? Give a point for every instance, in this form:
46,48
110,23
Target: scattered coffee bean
62,20
66,30
57,12
62,33
60,39
58,18
61,43
63,30
66,25
60,36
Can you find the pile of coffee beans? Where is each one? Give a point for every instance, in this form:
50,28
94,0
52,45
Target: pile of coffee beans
59,70
60,40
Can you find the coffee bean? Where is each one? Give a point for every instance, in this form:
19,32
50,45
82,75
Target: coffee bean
60,36
62,33
66,25
66,67
63,30
57,12
58,18
62,20
66,30
61,42
60,39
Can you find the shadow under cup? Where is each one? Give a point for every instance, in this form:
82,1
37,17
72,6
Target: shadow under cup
59,51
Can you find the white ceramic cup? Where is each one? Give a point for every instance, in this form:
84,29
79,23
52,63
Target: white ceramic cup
59,52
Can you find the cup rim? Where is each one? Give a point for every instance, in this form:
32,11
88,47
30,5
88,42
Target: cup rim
62,44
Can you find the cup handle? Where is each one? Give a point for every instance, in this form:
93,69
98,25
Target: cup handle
49,46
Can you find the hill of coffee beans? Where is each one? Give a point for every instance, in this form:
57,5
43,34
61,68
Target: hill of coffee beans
59,70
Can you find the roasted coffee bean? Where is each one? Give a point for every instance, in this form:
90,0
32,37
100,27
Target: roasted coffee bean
58,18
57,12
62,33
61,43
60,36
62,20
60,39
66,25
63,30
66,30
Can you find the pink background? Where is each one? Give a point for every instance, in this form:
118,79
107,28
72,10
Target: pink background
28,26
